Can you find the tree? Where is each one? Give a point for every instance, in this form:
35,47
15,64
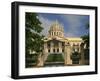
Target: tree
86,42
33,29
86,37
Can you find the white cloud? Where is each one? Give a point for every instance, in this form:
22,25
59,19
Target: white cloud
74,22
73,28
46,23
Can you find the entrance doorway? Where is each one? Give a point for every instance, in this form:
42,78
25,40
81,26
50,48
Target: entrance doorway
75,58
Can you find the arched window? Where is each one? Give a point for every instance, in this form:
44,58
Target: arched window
62,50
48,45
62,43
58,50
73,44
54,50
48,50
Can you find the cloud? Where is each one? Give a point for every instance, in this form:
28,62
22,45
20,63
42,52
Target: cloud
46,23
74,25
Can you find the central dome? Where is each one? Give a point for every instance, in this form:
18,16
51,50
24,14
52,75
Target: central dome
56,27
56,30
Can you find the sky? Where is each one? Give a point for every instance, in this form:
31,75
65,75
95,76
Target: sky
73,25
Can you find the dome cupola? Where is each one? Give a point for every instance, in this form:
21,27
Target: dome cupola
56,29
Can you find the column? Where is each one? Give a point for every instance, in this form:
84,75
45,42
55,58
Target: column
60,47
51,47
50,33
45,46
53,34
81,55
40,61
45,51
79,48
67,54
82,61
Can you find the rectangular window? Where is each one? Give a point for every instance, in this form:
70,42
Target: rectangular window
62,50
54,50
48,44
48,50
58,50
62,44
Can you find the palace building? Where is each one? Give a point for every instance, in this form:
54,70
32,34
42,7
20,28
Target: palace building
61,49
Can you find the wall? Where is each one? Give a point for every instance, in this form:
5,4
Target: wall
5,40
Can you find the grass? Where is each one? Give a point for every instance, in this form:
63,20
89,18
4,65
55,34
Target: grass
55,58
